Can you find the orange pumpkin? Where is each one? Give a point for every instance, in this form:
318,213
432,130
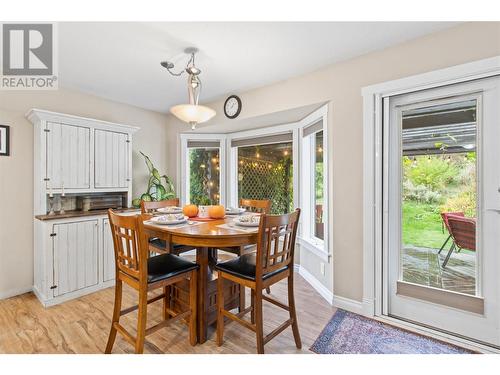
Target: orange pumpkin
190,210
216,212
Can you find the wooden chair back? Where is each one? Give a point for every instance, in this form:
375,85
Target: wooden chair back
130,244
463,232
149,207
254,205
276,242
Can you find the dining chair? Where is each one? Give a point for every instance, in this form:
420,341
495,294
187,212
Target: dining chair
463,233
144,274
251,205
157,245
260,206
272,263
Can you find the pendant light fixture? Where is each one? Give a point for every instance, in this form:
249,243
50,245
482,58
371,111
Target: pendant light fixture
192,113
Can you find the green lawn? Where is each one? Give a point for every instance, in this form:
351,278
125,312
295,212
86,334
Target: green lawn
422,225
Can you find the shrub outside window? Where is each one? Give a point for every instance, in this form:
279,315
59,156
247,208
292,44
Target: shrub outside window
204,176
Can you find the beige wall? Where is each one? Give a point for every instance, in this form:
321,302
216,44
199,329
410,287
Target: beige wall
340,85
16,171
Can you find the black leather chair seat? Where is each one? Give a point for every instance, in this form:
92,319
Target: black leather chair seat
244,267
163,266
162,244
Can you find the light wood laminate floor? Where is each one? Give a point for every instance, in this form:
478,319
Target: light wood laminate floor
82,325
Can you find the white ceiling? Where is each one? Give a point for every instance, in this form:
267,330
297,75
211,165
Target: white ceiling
121,61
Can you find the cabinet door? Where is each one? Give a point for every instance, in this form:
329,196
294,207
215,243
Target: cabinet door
108,253
111,159
68,156
75,256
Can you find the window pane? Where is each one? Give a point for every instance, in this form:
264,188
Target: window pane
266,172
439,196
318,187
204,174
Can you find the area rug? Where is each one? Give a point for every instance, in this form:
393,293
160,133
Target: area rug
349,333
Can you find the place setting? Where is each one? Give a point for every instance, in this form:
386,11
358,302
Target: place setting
245,223
233,211
178,220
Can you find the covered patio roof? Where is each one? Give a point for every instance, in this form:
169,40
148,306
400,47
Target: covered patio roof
442,129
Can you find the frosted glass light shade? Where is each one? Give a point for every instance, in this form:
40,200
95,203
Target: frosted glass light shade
192,114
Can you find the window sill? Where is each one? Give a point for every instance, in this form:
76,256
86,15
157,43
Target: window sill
315,248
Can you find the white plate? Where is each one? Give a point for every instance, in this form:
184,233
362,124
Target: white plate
170,210
246,223
158,220
235,211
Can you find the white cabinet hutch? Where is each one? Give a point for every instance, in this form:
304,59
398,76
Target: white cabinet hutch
76,156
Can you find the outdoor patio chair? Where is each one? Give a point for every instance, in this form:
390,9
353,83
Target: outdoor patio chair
444,216
463,232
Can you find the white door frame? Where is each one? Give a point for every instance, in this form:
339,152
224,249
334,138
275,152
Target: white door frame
373,209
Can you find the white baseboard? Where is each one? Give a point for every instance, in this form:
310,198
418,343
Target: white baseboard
15,292
348,304
337,301
316,284
368,307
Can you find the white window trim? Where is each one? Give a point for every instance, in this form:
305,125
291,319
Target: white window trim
229,174
372,163
183,173
319,247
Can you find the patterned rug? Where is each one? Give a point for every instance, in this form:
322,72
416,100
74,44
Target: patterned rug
349,333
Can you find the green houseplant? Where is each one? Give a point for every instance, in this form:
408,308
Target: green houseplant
160,187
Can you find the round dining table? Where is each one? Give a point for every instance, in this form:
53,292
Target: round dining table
206,237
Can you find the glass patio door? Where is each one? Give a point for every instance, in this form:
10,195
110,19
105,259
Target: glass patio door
442,209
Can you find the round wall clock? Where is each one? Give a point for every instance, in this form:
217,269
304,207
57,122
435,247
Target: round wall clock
232,106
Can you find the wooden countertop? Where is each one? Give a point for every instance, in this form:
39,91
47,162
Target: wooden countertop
79,213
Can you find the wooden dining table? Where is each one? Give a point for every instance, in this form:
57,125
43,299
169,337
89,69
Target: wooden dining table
206,237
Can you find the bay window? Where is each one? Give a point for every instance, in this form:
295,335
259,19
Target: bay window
286,164
313,194
265,170
202,171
